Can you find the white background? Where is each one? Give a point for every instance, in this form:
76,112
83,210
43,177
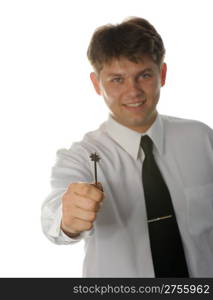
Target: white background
47,102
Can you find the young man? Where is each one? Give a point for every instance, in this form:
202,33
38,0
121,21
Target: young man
151,214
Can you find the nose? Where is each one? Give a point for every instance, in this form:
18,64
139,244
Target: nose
132,88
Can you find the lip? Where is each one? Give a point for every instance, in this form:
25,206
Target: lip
135,109
134,102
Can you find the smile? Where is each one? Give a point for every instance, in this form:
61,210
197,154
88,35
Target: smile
134,106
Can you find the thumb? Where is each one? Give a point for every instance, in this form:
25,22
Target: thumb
98,185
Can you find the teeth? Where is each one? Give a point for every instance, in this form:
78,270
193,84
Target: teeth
134,104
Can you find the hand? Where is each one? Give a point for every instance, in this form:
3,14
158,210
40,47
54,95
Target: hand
80,205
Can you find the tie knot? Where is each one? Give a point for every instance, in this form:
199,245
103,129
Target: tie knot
146,144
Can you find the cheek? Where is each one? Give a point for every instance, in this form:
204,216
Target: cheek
111,96
156,93
153,89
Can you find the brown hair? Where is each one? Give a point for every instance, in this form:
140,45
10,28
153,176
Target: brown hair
132,39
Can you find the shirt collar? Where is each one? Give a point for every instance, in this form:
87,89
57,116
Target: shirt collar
130,139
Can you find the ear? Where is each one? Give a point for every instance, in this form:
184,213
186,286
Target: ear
95,82
163,74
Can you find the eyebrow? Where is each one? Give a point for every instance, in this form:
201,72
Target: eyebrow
139,72
114,74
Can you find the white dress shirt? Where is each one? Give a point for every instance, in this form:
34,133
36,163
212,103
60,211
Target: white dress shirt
118,245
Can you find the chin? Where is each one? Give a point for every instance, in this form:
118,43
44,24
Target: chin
137,122
134,125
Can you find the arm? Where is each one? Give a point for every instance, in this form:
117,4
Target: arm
71,166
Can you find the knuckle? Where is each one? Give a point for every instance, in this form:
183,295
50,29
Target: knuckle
100,196
92,216
99,186
71,186
65,196
99,205
67,200
85,188
75,186
78,225
91,205
88,226
67,221
96,194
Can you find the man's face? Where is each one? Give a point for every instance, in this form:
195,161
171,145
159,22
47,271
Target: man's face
131,90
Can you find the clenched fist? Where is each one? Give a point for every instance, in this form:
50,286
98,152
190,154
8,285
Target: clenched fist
80,205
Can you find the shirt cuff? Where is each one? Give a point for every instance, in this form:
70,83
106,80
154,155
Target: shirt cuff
56,231
82,235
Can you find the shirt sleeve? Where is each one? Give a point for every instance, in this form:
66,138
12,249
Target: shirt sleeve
71,166
210,132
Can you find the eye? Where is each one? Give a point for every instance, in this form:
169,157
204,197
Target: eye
117,79
146,75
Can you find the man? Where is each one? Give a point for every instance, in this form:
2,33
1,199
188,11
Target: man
151,213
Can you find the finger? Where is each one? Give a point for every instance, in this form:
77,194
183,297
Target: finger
98,185
80,225
89,191
85,203
82,214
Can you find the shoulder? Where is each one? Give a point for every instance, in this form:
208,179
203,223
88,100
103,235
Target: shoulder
184,126
189,133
